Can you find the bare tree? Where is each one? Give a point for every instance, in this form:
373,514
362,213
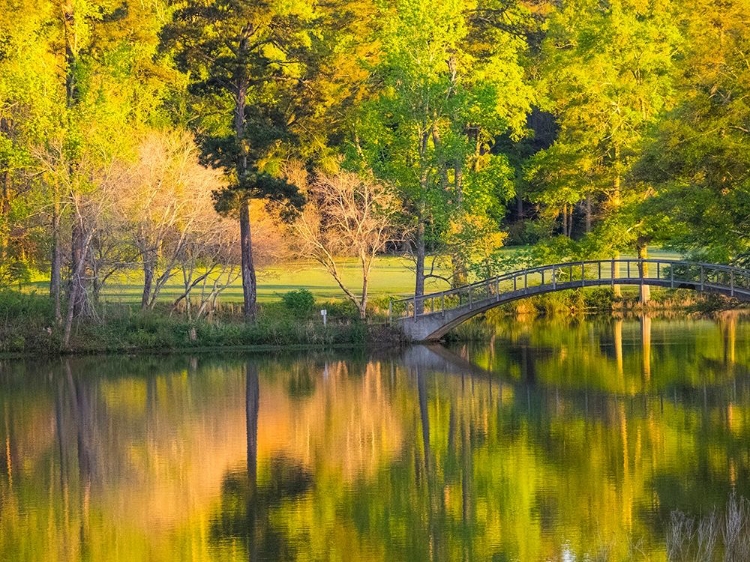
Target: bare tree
346,215
209,263
168,194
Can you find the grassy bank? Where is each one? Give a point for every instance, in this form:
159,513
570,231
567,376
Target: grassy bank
27,327
27,323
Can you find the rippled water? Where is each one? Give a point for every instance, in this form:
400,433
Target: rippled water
557,441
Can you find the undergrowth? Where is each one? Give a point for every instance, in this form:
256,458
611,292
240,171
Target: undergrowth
27,325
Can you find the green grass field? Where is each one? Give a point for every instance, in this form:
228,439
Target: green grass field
391,275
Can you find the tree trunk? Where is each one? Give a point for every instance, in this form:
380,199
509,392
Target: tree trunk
457,259
615,274
616,184
77,278
420,250
76,293
77,296
642,247
4,211
249,294
588,213
55,282
565,220
249,284
148,278
365,287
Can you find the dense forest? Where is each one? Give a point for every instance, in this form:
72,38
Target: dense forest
200,138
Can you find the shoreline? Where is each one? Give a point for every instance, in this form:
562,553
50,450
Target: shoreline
346,336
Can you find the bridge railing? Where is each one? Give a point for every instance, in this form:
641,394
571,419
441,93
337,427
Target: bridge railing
670,273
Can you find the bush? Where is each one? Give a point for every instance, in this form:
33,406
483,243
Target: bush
601,299
342,309
300,301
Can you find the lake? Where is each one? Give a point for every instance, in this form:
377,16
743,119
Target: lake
558,440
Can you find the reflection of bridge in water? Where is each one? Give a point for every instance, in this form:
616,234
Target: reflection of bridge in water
429,317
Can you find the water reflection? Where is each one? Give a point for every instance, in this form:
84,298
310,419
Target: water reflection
560,439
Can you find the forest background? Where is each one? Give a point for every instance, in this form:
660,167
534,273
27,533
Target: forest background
197,140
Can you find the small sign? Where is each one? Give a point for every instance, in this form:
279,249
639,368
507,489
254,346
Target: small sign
324,314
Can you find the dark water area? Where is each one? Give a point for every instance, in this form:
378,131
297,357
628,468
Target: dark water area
558,440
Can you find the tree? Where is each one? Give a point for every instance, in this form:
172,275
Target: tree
166,199
209,264
699,156
448,83
607,74
246,66
347,215
27,67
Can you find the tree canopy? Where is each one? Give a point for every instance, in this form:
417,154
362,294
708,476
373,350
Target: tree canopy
582,128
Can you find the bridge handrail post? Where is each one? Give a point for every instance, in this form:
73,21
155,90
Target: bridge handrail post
443,303
414,311
554,278
731,283
671,277
469,298
702,277
583,274
628,269
599,272
658,270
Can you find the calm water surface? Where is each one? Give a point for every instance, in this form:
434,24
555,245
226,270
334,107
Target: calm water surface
558,441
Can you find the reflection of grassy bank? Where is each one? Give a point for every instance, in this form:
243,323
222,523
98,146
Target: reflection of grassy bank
27,326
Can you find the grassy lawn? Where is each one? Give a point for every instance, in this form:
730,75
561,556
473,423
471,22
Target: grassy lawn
391,275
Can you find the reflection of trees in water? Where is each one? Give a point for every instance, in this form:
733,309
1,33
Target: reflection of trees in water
247,509
459,463
535,457
615,355
301,382
247,506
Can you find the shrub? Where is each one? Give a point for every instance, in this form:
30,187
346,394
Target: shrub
300,301
342,309
600,299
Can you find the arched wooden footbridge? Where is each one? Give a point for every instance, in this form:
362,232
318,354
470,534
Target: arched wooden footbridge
431,316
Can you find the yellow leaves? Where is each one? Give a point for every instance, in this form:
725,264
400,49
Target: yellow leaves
475,236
